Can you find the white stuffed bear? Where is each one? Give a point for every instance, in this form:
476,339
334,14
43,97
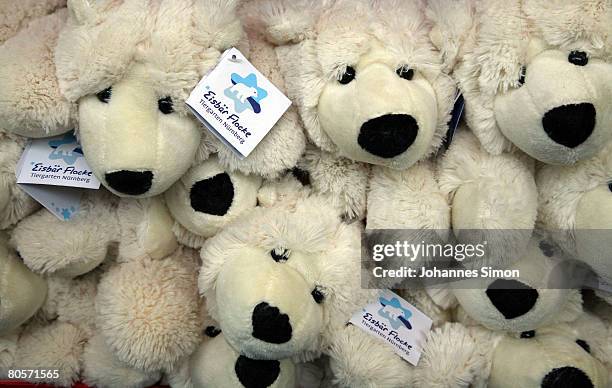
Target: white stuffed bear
130,66
575,208
334,73
282,281
535,74
575,354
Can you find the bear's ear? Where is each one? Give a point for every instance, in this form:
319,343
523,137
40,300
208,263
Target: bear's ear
217,24
32,104
452,26
289,21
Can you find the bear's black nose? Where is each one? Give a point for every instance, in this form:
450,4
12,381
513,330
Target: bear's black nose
570,125
566,377
512,298
256,373
389,135
130,182
213,195
270,325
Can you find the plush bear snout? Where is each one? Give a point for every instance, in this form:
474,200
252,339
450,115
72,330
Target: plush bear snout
389,135
512,298
130,182
570,125
256,373
566,377
270,325
213,195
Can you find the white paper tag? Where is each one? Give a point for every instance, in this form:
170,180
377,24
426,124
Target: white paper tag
56,161
395,321
53,171
237,103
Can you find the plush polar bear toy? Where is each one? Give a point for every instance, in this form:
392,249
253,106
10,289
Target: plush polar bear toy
575,354
576,207
333,74
130,66
284,280
535,74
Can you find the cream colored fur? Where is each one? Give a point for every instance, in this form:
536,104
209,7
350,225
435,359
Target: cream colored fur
31,103
15,204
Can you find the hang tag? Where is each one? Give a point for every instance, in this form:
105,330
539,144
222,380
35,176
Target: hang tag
396,322
237,103
54,171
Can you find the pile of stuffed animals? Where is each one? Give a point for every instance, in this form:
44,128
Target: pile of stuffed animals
192,267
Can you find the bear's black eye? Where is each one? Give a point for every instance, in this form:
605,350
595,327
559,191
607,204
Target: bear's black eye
211,331
165,105
347,76
610,186
405,73
522,75
317,295
105,95
584,345
528,334
578,58
280,255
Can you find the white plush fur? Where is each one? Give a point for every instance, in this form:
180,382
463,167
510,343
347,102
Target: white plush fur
148,310
395,194
490,43
343,180
574,205
17,15
31,104
55,346
22,292
145,229
357,359
238,273
103,370
15,204
51,246
145,51
192,227
493,197
451,358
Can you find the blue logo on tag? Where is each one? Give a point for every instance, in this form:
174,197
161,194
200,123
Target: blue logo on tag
245,93
66,149
393,311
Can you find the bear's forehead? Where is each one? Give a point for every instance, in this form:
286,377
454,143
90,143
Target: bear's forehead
161,36
571,24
